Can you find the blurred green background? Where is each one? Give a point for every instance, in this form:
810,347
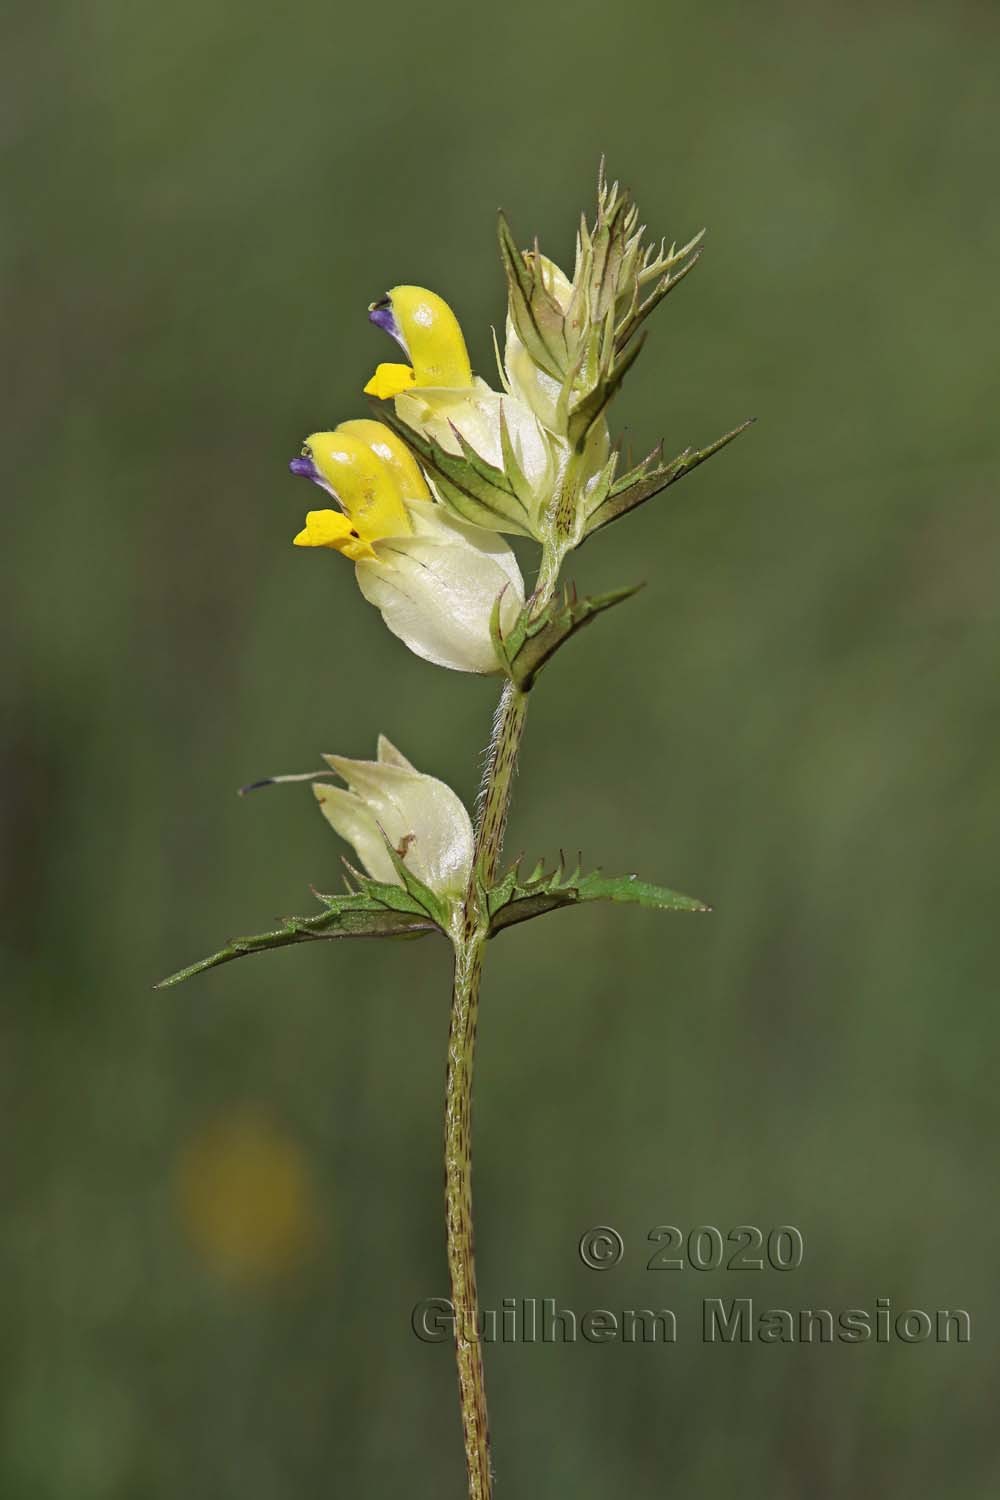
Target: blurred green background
222,1202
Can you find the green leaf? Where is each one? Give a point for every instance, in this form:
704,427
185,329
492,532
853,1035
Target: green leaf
651,477
517,480
614,266
534,638
640,311
584,413
535,313
468,484
374,911
658,263
518,899
424,900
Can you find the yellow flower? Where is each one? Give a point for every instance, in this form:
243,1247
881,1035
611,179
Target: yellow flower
438,397
369,472
429,335
434,578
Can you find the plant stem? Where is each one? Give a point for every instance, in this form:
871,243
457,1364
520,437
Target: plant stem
458,1218
498,783
469,943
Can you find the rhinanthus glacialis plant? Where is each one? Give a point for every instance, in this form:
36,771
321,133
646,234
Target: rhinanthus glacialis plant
419,499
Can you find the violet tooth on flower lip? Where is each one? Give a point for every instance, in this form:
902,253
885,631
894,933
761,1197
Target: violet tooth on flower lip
381,314
305,468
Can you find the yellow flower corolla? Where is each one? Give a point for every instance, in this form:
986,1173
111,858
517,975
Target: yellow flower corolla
425,327
371,473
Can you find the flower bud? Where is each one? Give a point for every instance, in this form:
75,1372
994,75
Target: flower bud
387,803
528,380
570,343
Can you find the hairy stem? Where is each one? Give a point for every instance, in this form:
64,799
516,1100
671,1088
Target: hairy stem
458,1217
469,942
498,784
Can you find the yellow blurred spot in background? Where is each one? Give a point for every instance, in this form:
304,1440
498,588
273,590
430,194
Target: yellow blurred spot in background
246,1198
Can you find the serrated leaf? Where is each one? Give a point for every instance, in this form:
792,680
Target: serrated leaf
640,311
534,638
393,897
468,484
585,413
664,260
535,313
375,911
426,901
612,253
652,476
509,493
516,900
518,481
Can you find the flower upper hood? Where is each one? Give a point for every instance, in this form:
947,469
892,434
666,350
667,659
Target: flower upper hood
429,334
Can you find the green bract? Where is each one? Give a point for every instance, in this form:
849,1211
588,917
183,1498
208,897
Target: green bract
412,910
536,458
